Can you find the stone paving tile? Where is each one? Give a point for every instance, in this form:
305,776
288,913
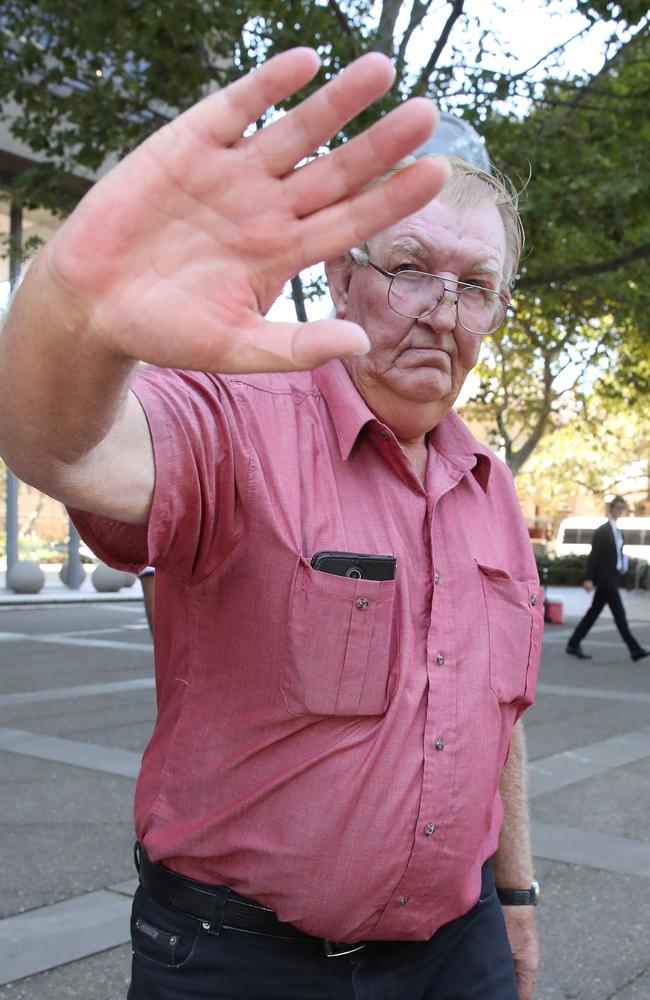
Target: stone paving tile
30,666
64,831
594,932
36,620
124,721
615,803
100,977
638,989
555,724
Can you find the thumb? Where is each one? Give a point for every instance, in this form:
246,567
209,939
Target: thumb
276,347
319,341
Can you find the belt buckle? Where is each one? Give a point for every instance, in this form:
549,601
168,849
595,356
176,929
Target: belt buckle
335,949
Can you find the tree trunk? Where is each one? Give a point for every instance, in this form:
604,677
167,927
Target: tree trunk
298,296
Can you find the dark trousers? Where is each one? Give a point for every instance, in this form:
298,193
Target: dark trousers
174,958
606,593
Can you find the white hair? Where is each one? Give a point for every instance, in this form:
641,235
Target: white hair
471,187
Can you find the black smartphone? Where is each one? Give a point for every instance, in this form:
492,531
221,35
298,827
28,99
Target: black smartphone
358,566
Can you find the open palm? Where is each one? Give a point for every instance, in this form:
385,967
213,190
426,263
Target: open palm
174,257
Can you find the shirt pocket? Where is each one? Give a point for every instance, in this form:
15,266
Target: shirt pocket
342,645
515,614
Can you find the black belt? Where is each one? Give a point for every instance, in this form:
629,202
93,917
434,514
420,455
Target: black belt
218,906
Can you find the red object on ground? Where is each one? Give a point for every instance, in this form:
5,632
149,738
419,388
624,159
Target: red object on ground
554,613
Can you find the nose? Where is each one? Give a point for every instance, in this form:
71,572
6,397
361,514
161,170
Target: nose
444,316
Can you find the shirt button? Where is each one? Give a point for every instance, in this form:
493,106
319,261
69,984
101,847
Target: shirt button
361,603
403,900
440,658
533,599
439,744
436,578
429,829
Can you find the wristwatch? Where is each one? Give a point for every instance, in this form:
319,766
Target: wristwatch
519,897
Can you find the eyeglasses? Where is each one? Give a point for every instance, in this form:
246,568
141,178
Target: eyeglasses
416,294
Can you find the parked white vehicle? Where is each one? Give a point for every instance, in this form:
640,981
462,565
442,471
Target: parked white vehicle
575,533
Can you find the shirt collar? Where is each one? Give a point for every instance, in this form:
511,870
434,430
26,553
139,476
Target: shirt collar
455,442
346,407
350,414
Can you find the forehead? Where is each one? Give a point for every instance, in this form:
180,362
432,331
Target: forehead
451,237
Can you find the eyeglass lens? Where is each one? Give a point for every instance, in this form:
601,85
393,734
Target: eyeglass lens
415,294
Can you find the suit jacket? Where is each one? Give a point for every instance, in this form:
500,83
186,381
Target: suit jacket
601,564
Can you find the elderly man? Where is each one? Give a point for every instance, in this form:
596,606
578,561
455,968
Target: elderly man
348,619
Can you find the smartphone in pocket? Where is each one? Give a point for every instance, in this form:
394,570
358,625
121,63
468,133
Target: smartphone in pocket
356,565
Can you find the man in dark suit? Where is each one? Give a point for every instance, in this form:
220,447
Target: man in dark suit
606,561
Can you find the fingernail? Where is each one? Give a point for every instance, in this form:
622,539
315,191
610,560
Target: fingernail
444,162
361,347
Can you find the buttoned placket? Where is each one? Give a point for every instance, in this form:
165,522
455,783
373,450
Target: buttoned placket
438,765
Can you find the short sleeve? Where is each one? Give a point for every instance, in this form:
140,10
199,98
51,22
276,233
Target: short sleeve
201,472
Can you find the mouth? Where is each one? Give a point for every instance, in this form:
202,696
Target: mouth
431,357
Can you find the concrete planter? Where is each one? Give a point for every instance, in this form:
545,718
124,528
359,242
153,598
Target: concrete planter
64,573
106,580
25,577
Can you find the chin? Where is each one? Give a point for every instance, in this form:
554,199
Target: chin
428,386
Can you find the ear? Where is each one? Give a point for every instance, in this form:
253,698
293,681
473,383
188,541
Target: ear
339,271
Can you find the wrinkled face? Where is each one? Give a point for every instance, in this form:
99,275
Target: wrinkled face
421,364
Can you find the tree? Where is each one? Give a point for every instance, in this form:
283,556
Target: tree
582,296
91,82
606,451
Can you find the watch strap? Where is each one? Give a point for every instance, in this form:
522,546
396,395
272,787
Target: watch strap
519,897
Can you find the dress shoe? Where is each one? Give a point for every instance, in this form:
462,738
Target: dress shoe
641,654
577,651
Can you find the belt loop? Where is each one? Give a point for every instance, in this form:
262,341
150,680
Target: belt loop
220,898
136,856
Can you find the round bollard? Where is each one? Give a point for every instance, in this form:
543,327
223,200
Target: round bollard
64,573
25,577
128,579
106,580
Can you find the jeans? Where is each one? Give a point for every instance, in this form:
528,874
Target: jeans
174,958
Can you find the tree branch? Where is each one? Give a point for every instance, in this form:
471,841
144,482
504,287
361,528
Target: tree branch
340,17
505,437
602,74
558,48
298,296
423,77
419,11
585,270
385,34
518,458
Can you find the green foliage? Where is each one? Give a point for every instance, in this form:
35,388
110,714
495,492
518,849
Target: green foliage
569,571
92,80
563,571
582,296
603,450
633,11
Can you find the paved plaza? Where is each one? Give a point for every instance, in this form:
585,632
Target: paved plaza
77,707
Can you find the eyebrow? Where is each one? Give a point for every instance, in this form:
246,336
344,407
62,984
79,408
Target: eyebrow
409,245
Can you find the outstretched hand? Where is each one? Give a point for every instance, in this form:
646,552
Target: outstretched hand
174,257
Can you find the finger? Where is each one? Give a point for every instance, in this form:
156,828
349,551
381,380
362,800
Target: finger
349,222
272,347
223,117
350,167
175,328
307,127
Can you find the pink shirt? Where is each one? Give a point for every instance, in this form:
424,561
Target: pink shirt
328,746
